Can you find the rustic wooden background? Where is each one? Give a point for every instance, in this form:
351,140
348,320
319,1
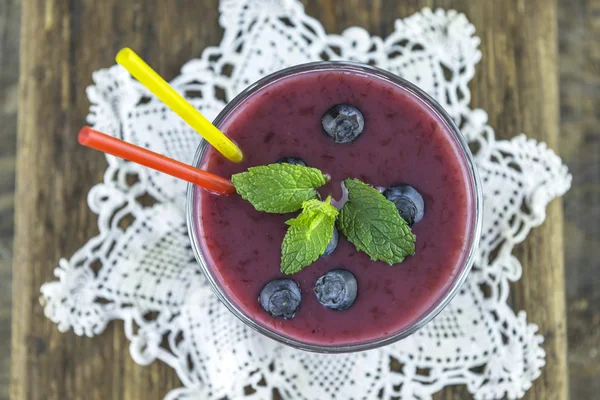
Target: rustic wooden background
526,46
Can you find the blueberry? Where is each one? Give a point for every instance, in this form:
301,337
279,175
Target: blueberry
291,160
408,201
332,243
336,289
343,123
281,298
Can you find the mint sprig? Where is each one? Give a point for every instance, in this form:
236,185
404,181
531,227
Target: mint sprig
372,223
278,188
368,220
308,235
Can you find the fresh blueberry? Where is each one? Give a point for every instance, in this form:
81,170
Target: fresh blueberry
281,298
408,201
332,243
336,289
343,123
291,160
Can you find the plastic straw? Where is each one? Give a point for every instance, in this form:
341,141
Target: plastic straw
161,89
108,144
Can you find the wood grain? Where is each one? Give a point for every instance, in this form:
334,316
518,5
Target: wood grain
64,41
9,78
579,30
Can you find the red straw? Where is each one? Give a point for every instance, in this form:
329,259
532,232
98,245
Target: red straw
108,144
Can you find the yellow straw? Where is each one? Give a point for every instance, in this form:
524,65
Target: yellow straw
161,89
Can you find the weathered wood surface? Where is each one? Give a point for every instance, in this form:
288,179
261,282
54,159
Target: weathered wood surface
9,85
64,41
579,32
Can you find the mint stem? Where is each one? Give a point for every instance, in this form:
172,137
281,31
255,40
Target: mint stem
340,203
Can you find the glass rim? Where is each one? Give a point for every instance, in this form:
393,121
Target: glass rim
475,182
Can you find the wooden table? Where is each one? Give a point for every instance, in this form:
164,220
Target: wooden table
64,41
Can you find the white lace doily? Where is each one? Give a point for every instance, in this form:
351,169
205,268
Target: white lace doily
141,269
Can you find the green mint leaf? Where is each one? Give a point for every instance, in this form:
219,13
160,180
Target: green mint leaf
308,235
372,223
278,188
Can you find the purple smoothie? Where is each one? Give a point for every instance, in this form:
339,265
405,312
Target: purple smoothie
404,141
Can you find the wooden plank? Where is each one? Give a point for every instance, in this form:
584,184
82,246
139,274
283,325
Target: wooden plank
579,54
9,78
63,42
517,84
